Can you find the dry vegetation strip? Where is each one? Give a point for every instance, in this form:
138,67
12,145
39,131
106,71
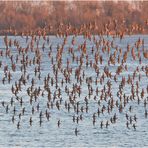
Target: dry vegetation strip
18,17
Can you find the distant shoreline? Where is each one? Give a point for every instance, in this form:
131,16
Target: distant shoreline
73,34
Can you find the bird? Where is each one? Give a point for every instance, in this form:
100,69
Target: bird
18,125
59,123
76,131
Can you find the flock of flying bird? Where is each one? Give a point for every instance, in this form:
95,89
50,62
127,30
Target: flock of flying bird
77,74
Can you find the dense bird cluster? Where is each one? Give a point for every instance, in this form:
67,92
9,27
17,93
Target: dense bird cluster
83,76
